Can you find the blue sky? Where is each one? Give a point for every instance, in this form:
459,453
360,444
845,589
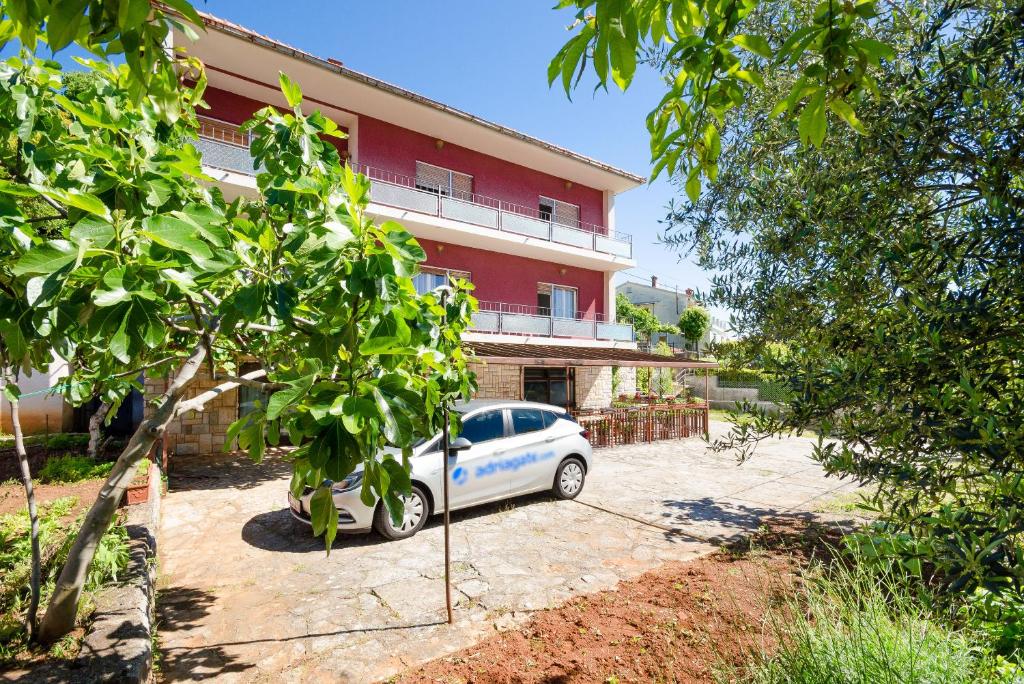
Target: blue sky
490,58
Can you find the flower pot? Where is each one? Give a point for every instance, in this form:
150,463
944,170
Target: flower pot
138,491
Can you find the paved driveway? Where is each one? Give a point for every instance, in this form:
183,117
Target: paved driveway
249,595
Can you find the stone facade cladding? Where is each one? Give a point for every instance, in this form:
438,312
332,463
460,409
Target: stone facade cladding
203,432
498,381
197,432
626,383
593,383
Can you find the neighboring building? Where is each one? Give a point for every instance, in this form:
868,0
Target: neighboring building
531,224
667,305
40,409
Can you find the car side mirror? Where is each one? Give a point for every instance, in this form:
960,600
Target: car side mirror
459,444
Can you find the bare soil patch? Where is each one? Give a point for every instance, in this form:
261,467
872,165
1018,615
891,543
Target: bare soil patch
12,496
679,623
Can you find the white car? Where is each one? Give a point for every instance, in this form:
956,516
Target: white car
505,449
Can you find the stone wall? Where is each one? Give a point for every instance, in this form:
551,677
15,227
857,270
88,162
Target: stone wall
498,381
593,387
204,432
197,432
626,383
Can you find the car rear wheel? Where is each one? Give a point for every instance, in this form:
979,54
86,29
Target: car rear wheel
569,479
415,517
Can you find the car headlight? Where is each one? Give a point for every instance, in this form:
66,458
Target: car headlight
349,483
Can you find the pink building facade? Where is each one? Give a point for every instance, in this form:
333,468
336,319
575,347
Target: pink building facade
531,224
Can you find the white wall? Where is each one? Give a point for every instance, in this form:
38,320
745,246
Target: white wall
39,410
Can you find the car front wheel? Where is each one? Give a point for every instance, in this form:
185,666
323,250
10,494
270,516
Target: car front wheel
413,519
569,479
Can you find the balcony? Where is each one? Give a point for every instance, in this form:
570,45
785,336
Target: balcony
400,191
224,147
514,319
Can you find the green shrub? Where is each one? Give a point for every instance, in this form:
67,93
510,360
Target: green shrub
68,440
999,618
71,468
857,625
56,535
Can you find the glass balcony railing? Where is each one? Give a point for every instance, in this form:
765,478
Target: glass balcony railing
514,319
222,146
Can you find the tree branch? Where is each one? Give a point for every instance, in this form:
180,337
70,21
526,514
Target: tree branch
198,402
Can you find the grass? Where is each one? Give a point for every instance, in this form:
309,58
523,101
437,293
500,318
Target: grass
56,536
70,468
724,416
852,625
844,502
58,440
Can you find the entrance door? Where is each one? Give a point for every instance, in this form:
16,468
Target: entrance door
554,386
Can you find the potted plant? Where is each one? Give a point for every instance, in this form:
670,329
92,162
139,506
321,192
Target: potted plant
138,491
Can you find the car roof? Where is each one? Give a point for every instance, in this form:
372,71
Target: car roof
477,404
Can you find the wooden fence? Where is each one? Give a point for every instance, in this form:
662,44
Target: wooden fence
641,424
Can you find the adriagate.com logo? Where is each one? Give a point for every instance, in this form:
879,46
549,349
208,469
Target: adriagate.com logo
500,465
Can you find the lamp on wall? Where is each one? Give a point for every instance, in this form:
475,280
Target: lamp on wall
440,248
439,144
563,271
568,185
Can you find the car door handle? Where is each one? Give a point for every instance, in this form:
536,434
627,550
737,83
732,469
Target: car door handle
549,440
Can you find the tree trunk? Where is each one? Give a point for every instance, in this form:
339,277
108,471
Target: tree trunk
33,515
63,609
95,425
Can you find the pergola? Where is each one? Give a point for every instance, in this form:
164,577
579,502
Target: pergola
563,355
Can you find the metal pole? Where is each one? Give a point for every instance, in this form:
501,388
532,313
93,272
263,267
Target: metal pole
707,403
447,534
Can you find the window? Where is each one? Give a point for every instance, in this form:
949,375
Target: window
559,212
483,427
550,417
249,397
555,300
443,181
429,279
556,386
527,420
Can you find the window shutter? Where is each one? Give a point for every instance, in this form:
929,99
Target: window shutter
462,186
443,181
222,132
567,214
560,212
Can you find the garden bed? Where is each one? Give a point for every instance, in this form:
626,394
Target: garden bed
680,623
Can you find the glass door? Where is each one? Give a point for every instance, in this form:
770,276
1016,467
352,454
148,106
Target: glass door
563,302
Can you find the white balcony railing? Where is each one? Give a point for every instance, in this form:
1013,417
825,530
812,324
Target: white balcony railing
513,319
397,190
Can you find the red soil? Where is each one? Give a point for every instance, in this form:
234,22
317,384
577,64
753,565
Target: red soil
682,622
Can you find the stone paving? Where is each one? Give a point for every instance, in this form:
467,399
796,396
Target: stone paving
248,595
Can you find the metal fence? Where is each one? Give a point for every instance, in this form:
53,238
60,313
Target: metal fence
643,424
767,390
517,319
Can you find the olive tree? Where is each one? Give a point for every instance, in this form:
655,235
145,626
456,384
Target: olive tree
887,255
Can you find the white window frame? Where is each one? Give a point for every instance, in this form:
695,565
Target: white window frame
447,272
551,296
